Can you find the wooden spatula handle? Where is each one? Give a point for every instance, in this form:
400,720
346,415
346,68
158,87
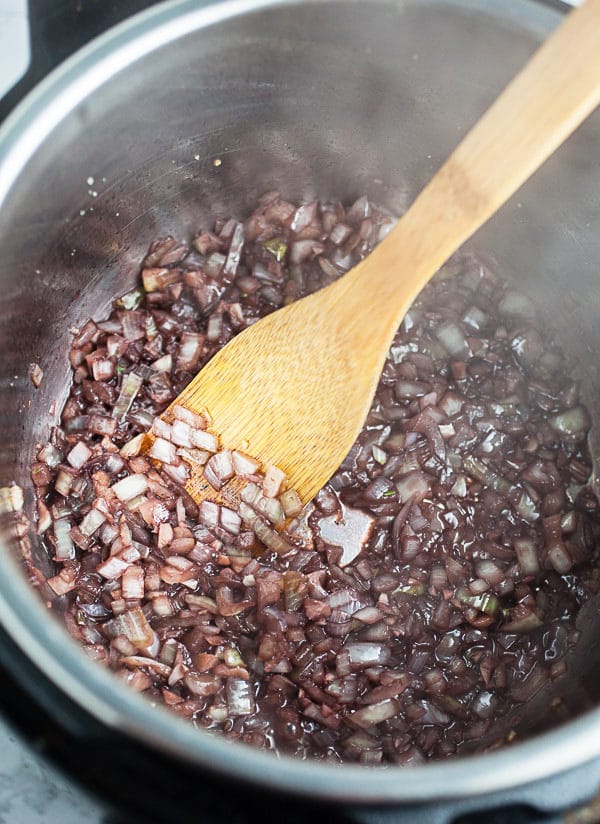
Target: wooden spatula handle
551,96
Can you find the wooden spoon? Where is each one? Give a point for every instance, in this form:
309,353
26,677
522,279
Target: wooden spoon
294,389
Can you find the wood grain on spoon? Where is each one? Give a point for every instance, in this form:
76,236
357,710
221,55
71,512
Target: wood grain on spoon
295,388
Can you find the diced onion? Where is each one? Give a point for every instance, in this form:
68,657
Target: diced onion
79,455
65,551
164,451
131,386
130,487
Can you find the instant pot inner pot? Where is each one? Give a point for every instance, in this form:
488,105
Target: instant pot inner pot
331,100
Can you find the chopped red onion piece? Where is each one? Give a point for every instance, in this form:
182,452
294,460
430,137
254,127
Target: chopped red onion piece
301,250
134,626
180,472
163,364
65,551
190,351
193,456
206,242
235,250
268,536
451,337
240,700
230,520
573,422
273,480
214,264
44,518
351,532
133,447
112,568
103,369
375,713
342,261
182,564
522,620
156,279
101,425
130,487
248,515
64,482
65,581
291,503
132,582
87,334
527,556
304,216
271,509
340,234
260,271
165,535
368,615
160,670
92,522
490,572
475,318
560,558
379,455
243,464
79,455
162,606
517,305
187,416
359,211
164,451
214,330
208,513
114,463
478,586
250,494
205,440
425,424
50,455
219,469
413,486
130,387
181,434
364,654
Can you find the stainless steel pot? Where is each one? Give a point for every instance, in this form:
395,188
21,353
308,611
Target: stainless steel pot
330,98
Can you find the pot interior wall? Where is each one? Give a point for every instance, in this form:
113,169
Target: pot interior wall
334,100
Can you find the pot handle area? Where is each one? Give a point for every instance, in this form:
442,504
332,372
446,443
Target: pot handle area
571,797
517,814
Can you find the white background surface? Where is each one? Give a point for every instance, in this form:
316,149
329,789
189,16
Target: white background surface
14,42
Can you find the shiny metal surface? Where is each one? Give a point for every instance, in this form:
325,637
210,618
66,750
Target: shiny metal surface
317,98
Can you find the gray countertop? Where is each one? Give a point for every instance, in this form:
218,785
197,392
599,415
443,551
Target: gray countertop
32,792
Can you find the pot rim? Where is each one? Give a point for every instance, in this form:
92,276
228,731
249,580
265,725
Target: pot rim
46,643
